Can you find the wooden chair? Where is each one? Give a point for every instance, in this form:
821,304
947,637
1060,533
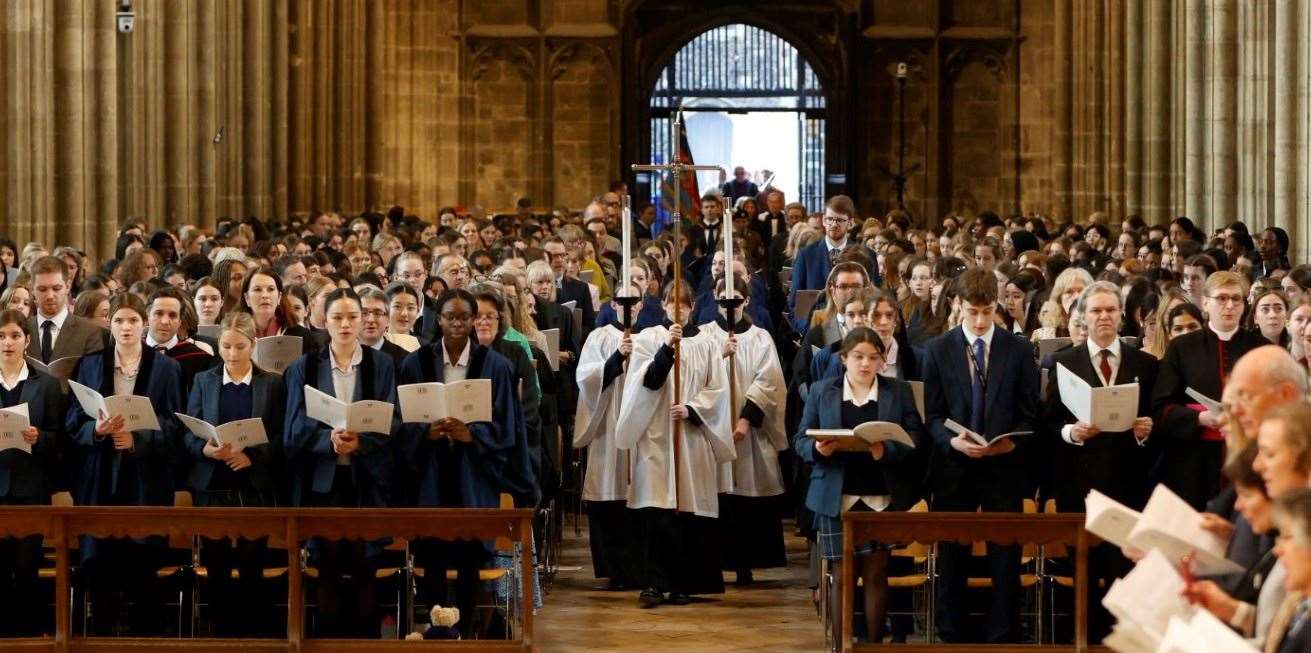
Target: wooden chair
1029,577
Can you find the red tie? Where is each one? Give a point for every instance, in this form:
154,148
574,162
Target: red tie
1106,367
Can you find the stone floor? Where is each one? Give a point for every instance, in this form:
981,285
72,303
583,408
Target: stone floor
774,614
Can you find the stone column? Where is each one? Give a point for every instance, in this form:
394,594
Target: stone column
1158,83
1194,108
1134,61
1285,118
1223,55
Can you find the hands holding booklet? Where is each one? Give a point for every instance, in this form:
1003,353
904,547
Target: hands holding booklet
862,437
448,407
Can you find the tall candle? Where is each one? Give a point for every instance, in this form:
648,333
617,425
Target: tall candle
625,275
727,224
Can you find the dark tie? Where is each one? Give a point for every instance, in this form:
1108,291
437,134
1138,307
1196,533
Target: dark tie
1106,367
163,349
976,387
47,341
833,254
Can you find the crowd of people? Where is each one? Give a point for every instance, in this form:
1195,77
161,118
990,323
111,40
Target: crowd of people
682,420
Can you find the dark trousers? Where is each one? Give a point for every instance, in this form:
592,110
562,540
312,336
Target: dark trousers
991,493
126,596
609,530
21,611
466,557
347,584
678,552
240,607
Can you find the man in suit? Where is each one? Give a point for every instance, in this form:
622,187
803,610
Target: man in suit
984,378
1189,444
739,186
1113,463
568,289
373,326
164,318
811,267
772,221
56,332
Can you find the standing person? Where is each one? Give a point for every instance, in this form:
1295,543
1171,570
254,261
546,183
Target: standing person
125,468
985,379
1114,464
262,297
601,368
569,289
166,307
56,332
739,186
1191,445
335,467
225,476
457,464
810,271
859,481
675,507
748,485
373,330
24,476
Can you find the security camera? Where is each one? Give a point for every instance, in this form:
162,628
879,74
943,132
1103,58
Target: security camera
125,17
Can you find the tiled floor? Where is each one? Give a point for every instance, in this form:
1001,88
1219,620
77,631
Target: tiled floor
774,614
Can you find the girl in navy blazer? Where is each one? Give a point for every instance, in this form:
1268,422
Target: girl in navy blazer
226,476
335,467
865,480
24,475
125,468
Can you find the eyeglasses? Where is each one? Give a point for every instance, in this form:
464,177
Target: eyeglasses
1227,299
410,276
486,317
835,221
373,313
848,286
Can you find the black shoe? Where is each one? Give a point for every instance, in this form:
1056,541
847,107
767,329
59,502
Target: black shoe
678,598
744,577
650,598
615,585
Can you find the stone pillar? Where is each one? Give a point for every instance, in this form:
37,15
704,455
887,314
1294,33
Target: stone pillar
1194,110
1222,52
1158,83
1285,111
1134,61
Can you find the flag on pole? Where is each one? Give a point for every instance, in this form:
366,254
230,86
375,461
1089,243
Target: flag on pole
691,193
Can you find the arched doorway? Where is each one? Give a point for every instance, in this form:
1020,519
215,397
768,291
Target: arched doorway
750,98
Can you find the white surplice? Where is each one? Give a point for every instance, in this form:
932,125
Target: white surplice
646,430
759,378
606,478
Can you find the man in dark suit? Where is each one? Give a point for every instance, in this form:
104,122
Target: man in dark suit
164,318
739,186
984,378
811,267
373,326
1113,463
1189,444
568,289
772,221
56,332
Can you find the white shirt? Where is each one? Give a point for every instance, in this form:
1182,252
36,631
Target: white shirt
457,370
1223,335
57,319
836,244
343,384
22,376
155,344
970,338
890,360
1095,356
877,503
245,380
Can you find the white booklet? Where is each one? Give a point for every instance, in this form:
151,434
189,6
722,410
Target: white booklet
1148,596
552,348
468,401
1202,633
1210,404
366,416
138,414
859,438
1167,523
238,434
585,276
977,438
1128,637
60,368
13,421
1110,408
275,353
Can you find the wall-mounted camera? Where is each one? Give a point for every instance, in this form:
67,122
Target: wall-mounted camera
125,17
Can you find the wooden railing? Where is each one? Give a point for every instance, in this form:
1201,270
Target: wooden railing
287,527
967,527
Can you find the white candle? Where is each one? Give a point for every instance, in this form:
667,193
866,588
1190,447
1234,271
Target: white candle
728,254
625,275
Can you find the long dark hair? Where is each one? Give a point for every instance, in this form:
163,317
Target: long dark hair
860,335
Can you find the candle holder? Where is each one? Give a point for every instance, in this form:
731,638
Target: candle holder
627,302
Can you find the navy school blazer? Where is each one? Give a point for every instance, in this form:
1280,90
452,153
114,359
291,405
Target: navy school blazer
270,401
160,379
29,475
823,410
308,443
497,460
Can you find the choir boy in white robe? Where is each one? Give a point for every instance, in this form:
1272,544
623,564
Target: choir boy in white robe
752,525
675,510
605,482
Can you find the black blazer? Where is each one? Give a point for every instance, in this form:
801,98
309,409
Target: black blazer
270,400
1112,463
395,351
29,475
1187,464
1011,397
573,290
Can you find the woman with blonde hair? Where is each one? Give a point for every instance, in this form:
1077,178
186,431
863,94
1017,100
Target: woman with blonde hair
1160,336
1055,312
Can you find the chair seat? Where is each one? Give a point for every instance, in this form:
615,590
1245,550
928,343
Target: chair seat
1026,580
908,581
484,575
269,572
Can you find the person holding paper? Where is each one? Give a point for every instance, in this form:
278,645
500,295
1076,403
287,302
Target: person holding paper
875,480
226,476
750,484
335,467
675,509
567,288
125,468
24,477
263,299
984,378
1290,628
1191,445
459,465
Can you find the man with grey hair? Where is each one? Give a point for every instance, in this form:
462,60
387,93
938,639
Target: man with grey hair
1086,458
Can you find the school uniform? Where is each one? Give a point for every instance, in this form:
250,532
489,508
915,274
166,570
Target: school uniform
26,480
241,607
321,477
